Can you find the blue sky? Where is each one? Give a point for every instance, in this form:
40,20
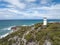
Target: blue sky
29,9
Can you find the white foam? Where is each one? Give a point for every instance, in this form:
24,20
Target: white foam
27,25
8,28
2,36
32,24
24,25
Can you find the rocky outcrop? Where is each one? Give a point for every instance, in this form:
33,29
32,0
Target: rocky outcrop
13,28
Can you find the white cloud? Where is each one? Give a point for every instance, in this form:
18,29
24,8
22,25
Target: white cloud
30,0
33,12
49,12
17,3
57,6
45,1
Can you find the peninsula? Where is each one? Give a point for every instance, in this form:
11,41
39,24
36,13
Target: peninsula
36,34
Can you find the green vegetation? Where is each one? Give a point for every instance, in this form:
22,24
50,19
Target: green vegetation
51,32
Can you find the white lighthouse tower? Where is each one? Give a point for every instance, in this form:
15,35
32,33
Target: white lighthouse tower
45,21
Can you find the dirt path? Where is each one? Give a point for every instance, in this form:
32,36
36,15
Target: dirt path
47,42
25,35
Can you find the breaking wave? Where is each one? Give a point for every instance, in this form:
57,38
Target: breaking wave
2,36
8,28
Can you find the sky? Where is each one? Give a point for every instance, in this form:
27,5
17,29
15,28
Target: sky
29,9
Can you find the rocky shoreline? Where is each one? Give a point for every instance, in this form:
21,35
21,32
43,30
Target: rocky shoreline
33,35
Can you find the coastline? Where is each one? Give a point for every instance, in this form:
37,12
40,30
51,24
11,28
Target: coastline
2,36
31,34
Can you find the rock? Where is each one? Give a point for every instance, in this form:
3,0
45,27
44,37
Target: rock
47,42
13,28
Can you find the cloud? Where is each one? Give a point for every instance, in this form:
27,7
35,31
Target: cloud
32,13
21,10
30,0
45,1
17,3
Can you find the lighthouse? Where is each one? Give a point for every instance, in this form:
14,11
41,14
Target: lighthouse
44,21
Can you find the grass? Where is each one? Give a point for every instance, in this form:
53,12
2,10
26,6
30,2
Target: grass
51,32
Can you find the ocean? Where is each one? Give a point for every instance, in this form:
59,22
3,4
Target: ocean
5,25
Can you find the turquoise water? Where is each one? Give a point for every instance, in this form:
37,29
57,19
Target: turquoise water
5,25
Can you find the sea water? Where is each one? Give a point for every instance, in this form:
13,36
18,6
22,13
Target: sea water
5,25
